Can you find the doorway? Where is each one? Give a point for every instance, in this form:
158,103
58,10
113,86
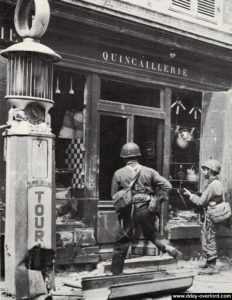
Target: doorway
129,112
115,131
113,134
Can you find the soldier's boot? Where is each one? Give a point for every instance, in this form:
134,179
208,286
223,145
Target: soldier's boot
210,268
203,265
173,252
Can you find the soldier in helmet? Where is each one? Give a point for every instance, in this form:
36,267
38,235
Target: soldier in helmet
145,185
212,195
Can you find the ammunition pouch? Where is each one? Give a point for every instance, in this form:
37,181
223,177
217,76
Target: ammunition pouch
220,212
141,197
122,199
153,204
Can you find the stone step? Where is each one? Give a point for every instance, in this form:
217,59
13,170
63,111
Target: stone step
140,248
79,260
158,262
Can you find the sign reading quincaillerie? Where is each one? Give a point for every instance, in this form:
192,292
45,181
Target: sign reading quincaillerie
124,60
144,63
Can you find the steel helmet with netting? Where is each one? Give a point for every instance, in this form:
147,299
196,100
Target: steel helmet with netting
213,165
130,150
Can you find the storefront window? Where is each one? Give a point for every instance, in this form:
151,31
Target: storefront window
185,151
130,94
68,125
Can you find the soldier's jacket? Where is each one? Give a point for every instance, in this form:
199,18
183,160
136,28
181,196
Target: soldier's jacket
149,180
213,194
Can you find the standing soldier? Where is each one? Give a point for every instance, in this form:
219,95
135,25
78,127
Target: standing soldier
212,195
144,188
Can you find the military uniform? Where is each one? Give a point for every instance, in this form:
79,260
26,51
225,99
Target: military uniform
146,184
212,195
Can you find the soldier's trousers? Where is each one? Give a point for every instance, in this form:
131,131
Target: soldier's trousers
208,239
146,220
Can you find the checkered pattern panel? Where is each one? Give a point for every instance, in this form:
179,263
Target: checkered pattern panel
74,159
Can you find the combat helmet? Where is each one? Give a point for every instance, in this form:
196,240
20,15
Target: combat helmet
213,165
129,150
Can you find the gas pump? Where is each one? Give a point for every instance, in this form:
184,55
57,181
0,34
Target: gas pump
29,154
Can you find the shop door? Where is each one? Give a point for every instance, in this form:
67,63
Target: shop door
116,130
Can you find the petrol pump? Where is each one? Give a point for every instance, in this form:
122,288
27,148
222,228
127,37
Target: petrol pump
29,145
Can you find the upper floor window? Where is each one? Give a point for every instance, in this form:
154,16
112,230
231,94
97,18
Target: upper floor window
205,9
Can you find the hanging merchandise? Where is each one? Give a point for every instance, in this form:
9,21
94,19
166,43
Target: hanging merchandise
181,173
178,104
192,174
71,91
66,131
75,160
57,91
195,110
78,121
183,137
72,127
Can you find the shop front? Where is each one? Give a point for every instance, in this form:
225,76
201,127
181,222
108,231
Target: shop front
122,81
160,90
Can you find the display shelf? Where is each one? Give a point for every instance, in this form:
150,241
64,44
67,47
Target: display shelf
184,163
176,190
71,225
67,199
183,180
64,171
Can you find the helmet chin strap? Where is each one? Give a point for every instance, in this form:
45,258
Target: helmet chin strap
211,174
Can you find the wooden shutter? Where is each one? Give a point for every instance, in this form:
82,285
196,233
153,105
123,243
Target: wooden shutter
198,8
182,4
206,8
